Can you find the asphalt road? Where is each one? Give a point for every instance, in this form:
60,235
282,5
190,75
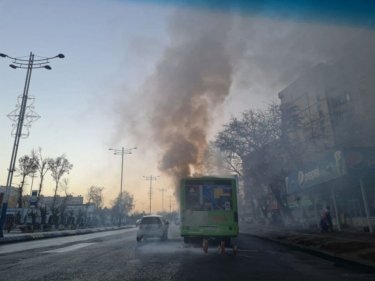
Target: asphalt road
116,255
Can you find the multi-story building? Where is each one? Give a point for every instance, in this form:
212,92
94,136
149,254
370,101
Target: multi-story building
328,120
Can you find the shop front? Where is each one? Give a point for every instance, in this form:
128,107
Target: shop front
342,180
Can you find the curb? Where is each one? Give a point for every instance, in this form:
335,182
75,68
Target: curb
314,251
45,235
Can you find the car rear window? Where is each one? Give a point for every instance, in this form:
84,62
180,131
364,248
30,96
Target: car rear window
151,220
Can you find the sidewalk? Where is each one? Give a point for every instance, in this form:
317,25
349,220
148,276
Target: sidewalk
17,236
358,247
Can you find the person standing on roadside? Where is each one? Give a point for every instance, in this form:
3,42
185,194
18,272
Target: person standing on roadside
328,219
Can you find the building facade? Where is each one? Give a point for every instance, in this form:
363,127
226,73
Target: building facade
328,115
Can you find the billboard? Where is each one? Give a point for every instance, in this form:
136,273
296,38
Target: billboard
357,162
33,198
331,166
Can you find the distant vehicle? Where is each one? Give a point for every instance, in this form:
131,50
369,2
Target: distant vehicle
208,208
153,226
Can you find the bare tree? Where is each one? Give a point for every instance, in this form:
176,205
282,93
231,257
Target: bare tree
43,167
254,148
64,186
27,165
95,196
59,167
122,205
215,162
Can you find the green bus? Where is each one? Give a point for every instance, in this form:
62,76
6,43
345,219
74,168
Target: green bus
208,207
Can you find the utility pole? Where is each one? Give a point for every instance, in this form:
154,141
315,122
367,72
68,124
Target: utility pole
29,64
151,178
162,198
121,152
170,203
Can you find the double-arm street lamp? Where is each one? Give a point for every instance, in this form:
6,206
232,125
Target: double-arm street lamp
151,178
121,152
29,64
162,198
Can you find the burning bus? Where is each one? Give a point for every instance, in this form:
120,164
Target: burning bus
208,208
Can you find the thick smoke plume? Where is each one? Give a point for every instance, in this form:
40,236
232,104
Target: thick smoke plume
211,54
190,82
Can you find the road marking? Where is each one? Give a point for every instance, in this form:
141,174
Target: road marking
59,241
69,248
251,251
246,256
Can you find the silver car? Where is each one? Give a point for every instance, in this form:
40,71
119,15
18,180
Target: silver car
153,226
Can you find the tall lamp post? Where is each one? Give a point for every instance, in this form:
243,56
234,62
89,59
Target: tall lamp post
121,152
162,198
151,179
28,64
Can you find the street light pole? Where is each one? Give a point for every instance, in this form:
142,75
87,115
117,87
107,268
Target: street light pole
150,178
28,64
162,198
170,203
121,152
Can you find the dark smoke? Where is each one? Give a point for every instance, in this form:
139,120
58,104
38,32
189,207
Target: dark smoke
212,54
190,82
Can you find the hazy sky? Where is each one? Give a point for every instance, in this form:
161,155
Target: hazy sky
109,46
99,96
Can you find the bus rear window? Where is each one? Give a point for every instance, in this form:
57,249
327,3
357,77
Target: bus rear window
208,197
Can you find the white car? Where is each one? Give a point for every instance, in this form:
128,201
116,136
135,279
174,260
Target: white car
153,226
